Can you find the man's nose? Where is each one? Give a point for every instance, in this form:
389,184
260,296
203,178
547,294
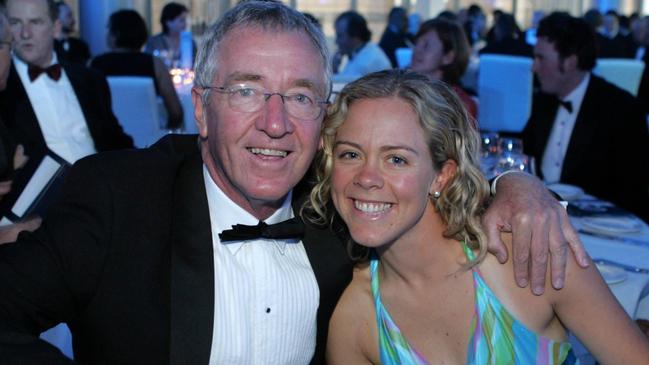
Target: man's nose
25,31
274,120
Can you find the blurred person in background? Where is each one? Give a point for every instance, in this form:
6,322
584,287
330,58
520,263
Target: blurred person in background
396,34
475,27
442,53
166,44
495,14
638,31
611,42
126,35
584,130
353,39
506,38
69,48
11,155
643,54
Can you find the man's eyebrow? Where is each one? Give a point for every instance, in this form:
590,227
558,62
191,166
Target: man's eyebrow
242,76
246,76
309,84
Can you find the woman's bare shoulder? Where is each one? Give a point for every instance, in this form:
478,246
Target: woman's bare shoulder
352,327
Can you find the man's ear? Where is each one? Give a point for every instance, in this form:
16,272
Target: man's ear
444,176
570,63
199,112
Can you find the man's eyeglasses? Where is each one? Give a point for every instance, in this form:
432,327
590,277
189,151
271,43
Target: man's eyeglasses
300,104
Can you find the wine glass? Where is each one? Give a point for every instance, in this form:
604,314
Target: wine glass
509,145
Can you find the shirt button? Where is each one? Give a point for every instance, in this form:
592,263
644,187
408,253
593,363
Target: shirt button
267,310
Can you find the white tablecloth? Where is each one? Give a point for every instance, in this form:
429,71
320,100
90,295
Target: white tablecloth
630,291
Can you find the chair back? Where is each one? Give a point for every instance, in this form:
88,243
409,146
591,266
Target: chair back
135,106
60,337
505,92
624,73
404,57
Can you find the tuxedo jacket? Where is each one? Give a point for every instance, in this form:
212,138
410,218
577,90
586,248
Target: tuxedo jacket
94,98
608,152
125,259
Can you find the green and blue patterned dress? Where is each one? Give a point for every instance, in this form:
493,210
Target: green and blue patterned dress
496,337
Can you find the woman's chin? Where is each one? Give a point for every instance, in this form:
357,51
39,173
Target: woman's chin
369,241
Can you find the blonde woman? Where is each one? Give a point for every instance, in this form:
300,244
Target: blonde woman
400,165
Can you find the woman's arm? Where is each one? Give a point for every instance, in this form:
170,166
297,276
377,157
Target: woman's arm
169,95
589,310
350,326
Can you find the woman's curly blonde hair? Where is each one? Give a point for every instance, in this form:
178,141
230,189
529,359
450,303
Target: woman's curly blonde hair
449,134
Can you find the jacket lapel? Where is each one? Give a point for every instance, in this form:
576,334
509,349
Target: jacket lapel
583,130
192,269
19,114
84,97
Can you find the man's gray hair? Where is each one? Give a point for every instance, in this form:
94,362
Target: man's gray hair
268,15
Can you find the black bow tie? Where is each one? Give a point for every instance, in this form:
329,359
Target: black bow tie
291,228
54,72
566,104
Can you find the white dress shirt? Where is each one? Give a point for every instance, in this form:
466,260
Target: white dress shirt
368,59
58,113
266,295
564,123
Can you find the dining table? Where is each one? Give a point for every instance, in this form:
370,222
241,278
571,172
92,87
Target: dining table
618,243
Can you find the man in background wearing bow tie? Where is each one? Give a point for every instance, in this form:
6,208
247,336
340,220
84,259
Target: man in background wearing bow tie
584,130
178,254
47,105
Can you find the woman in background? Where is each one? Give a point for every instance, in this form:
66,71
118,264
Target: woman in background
126,35
400,163
442,53
166,44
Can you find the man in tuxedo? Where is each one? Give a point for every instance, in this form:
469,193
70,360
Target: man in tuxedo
140,256
612,42
584,130
65,108
69,48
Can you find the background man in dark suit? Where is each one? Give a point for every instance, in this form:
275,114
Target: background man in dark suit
396,34
132,258
69,48
584,130
46,106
